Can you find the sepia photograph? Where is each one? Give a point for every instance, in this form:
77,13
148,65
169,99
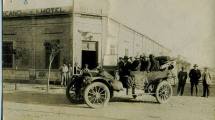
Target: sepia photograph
108,60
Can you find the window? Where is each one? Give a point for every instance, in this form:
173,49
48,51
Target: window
7,54
56,61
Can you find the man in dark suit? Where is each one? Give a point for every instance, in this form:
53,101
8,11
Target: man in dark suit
154,63
126,68
182,77
145,63
120,65
194,75
125,76
135,64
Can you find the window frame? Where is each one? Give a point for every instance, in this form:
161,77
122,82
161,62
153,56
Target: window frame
11,54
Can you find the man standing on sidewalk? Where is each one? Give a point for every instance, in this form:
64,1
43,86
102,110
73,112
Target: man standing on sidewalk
182,77
64,71
194,75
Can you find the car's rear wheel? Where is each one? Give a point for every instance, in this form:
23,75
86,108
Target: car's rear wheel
97,95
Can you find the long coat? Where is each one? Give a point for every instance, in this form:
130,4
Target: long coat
126,68
182,77
194,76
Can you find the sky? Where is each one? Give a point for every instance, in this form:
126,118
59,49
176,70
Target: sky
187,27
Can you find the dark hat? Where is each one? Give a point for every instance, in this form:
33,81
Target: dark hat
195,65
151,55
126,57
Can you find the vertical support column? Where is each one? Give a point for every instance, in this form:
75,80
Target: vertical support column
101,62
118,41
76,40
103,38
72,42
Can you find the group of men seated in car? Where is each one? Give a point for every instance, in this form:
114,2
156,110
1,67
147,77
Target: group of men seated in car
143,63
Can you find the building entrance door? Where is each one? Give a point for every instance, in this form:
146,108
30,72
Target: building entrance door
90,54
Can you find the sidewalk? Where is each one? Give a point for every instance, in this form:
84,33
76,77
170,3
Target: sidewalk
39,88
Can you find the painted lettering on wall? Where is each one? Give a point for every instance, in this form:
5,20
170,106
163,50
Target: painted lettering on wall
35,12
50,11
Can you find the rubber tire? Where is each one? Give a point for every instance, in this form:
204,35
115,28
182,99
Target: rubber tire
92,85
69,97
160,85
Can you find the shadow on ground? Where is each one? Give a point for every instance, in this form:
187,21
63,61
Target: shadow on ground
37,98
57,99
200,90
131,100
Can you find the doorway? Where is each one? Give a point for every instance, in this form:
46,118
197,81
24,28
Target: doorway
90,58
89,54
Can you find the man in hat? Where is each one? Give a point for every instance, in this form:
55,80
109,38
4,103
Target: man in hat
120,65
126,68
64,70
125,76
135,64
154,63
145,63
182,77
206,82
194,75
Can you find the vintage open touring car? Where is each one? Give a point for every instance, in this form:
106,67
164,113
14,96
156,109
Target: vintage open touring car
97,87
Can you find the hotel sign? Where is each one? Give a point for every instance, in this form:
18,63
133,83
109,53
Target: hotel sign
36,12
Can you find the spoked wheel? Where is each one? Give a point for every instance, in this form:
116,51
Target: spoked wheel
97,95
163,92
71,93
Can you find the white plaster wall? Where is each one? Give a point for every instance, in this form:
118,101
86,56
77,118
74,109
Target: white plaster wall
111,43
93,27
92,6
137,45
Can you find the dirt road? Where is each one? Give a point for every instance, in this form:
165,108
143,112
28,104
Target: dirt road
40,106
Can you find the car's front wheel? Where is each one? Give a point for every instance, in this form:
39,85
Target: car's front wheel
97,95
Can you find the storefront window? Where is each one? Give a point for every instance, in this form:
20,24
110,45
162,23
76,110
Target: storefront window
7,54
